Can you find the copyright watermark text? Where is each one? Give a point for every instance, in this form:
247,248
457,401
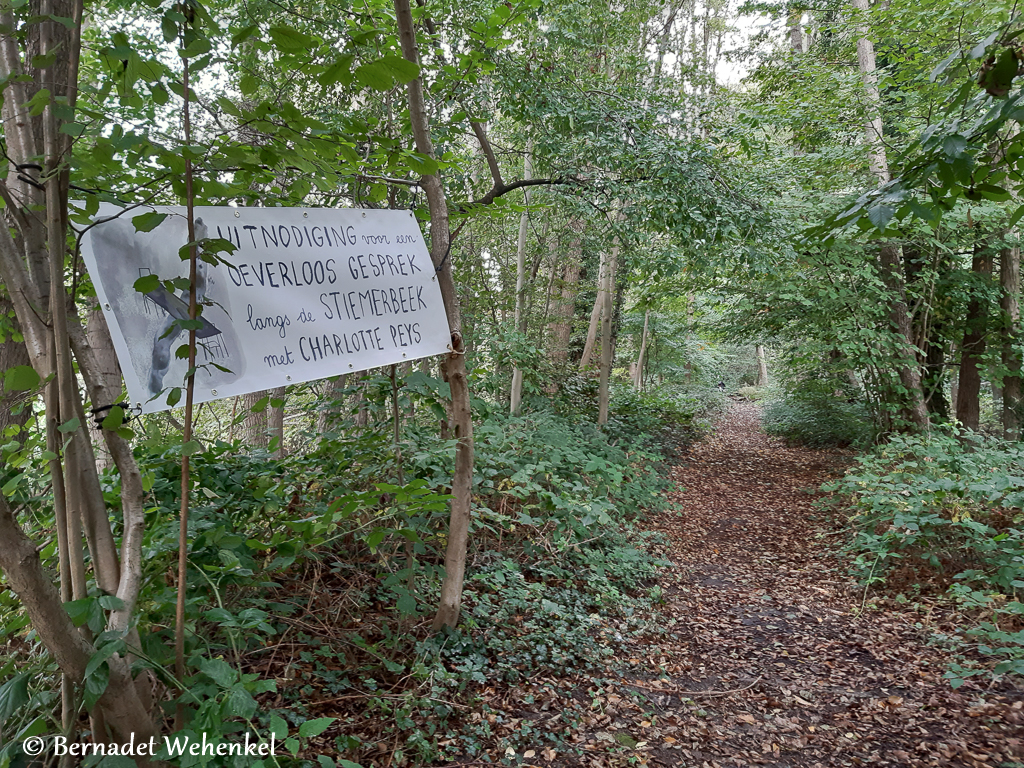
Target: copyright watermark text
169,746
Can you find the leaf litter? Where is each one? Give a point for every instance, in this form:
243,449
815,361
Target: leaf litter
765,652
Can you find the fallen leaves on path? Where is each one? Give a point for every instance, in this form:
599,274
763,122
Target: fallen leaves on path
758,593
766,657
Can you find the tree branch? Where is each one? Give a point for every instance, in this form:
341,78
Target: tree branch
500,190
485,146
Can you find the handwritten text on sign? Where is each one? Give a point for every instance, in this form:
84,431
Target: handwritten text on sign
307,294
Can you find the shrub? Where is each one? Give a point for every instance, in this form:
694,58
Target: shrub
818,415
946,509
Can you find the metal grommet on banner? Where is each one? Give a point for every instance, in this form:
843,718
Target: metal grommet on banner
237,214
213,392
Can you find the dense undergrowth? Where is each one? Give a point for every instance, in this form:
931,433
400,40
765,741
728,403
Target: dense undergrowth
942,514
818,414
312,578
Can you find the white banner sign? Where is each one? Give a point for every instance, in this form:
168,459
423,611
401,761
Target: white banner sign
309,293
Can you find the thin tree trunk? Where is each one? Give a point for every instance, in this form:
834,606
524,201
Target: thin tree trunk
102,344
638,375
595,314
890,265
564,310
15,407
607,351
455,361
968,408
520,307
1009,303
330,411
255,424
275,421
762,367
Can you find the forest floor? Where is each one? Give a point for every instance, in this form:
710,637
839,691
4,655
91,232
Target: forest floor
767,652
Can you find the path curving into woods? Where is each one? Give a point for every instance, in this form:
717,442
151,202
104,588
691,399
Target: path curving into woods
768,662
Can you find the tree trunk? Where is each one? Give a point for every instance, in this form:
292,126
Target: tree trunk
255,424
595,315
19,561
638,373
889,260
275,421
98,335
968,409
32,268
330,411
564,309
455,361
762,367
607,352
1009,303
520,308
15,407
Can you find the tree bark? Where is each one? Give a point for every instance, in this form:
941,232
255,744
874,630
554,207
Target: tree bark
564,310
109,371
968,409
520,307
255,424
607,351
595,315
19,561
762,367
638,374
331,410
455,361
275,422
1009,303
15,407
889,259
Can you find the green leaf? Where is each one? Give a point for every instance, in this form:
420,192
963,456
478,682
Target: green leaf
407,604
169,29
147,222
191,448
111,602
114,418
20,378
401,68
248,85
943,66
219,671
69,426
880,215
100,657
278,727
289,40
240,703
13,694
96,684
954,145
173,396
147,283
376,75
315,727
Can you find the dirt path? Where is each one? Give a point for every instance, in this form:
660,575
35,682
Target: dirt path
767,662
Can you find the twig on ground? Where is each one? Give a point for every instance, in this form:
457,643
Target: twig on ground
705,694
